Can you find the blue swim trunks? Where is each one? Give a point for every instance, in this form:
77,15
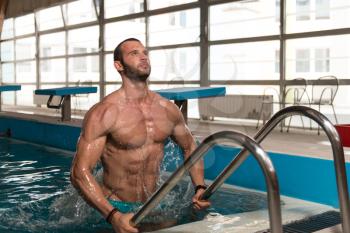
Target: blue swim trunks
126,207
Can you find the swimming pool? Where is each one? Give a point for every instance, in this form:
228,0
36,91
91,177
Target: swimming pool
37,197
58,213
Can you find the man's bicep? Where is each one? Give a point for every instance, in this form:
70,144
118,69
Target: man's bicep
183,137
89,151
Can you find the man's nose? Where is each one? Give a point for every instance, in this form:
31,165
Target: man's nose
143,56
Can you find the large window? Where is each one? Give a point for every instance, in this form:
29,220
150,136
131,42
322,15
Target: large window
7,51
190,42
244,61
302,60
118,31
52,44
154,4
175,64
79,12
25,48
49,18
115,8
174,28
7,29
314,15
53,70
24,25
8,73
243,19
318,56
83,40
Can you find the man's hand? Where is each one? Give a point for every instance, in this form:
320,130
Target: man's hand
199,204
121,223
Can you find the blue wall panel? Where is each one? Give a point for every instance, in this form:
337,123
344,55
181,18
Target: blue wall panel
60,136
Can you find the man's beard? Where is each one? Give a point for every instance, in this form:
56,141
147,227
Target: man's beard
135,74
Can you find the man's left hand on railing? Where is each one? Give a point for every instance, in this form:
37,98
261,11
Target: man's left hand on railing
199,204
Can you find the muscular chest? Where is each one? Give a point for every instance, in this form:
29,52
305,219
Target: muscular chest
137,126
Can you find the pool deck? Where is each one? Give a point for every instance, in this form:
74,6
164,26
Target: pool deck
297,141
250,222
304,142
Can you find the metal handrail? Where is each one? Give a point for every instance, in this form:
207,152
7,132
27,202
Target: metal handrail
248,143
338,154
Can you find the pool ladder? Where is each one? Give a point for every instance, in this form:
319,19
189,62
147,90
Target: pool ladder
272,183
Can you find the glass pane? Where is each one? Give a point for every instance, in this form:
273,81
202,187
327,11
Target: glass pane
174,28
79,12
122,7
119,31
52,44
25,96
314,57
85,101
244,61
49,18
111,87
84,40
175,64
8,73
24,24
341,105
83,69
25,48
7,51
243,19
154,4
7,29
306,15
26,72
8,97
53,70
111,74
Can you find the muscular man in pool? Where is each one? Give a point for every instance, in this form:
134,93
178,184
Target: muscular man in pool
127,131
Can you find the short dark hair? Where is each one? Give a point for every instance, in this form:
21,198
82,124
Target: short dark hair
117,54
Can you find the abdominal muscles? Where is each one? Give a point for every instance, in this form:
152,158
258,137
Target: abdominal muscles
131,175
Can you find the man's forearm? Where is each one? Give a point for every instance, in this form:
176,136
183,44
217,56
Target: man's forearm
91,191
197,173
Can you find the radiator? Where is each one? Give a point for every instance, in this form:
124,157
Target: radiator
236,106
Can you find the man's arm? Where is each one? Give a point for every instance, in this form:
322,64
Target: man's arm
183,137
89,150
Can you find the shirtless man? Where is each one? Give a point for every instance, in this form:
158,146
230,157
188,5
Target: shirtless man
127,131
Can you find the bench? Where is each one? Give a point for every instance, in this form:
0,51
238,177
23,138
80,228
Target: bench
64,93
182,94
8,88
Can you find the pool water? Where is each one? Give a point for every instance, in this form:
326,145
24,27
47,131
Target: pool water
36,195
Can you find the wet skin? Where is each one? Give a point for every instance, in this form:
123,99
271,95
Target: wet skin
126,131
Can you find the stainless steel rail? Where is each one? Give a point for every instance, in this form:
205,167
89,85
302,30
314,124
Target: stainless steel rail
338,154
248,143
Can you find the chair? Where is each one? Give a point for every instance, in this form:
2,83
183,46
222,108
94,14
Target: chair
324,91
296,94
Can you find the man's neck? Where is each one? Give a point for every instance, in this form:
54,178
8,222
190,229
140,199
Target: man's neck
135,90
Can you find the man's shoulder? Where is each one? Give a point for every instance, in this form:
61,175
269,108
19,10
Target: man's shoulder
163,101
169,106
102,110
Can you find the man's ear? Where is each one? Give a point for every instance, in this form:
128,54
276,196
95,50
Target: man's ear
118,65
